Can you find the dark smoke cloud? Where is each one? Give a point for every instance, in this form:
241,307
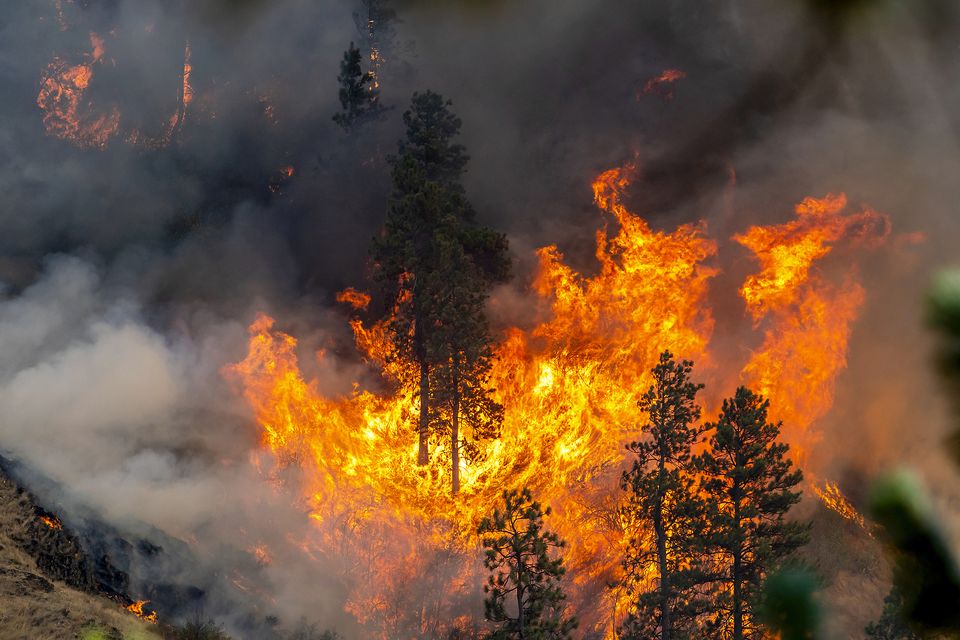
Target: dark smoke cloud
128,274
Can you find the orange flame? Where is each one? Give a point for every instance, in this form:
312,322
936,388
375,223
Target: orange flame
569,386
833,499
136,609
806,320
662,83
51,521
61,98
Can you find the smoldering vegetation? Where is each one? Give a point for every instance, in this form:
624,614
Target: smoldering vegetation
129,273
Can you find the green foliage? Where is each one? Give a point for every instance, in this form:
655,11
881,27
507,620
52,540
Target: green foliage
430,130
662,497
359,97
95,632
789,606
748,486
943,303
524,598
925,569
438,265
892,624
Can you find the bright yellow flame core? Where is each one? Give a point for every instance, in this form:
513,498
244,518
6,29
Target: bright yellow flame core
570,388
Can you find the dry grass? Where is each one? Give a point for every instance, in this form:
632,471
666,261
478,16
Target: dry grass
33,607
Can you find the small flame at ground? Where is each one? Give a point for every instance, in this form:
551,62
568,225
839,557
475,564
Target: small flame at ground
136,609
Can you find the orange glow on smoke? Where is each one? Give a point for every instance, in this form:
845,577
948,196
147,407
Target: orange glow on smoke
569,386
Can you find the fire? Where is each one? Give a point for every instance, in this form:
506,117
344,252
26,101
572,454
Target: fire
175,123
833,499
51,521
136,609
261,553
569,386
66,114
806,320
662,83
356,299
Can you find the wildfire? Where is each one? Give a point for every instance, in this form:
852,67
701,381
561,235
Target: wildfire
662,84
136,609
51,521
569,386
175,123
833,499
66,114
806,319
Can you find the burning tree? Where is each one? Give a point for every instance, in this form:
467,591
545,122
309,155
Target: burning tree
662,574
460,347
749,487
359,96
518,553
438,264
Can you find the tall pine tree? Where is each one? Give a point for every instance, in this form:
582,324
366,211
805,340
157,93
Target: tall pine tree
524,598
439,264
359,97
749,485
460,348
661,496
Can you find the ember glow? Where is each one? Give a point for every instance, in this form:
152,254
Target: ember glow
67,112
662,84
570,387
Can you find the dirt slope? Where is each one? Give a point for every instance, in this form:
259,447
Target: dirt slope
45,581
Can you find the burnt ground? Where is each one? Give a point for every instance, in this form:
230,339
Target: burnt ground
48,584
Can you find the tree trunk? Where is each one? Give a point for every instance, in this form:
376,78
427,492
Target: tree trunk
423,455
455,433
660,532
521,631
735,576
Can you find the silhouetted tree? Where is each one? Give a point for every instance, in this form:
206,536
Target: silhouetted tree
460,347
662,498
359,97
439,265
524,598
375,22
891,625
748,486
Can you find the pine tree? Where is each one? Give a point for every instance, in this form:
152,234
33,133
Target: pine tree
359,97
662,498
460,347
524,599
749,486
891,625
375,22
439,264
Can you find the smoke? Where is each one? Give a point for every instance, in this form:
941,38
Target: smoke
130,273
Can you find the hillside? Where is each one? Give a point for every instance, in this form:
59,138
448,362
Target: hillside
38,564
